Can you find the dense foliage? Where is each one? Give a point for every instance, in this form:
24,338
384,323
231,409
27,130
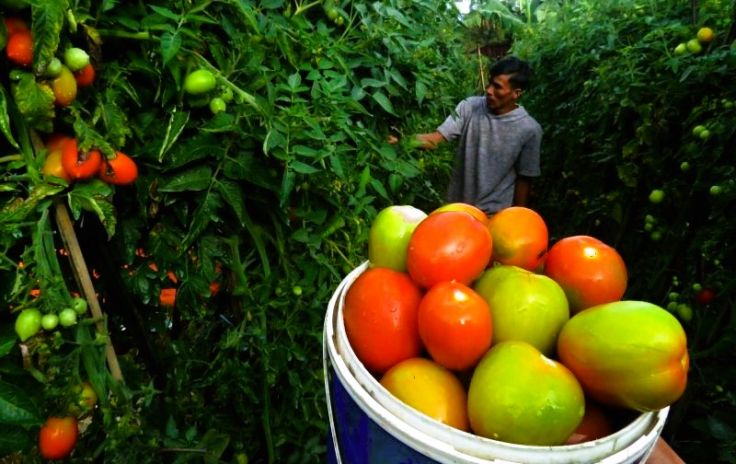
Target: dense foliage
620,105
215,266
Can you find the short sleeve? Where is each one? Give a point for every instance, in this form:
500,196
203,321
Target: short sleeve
452,127
528,163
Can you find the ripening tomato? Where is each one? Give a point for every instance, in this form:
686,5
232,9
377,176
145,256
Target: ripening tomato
57,437
64,87
380,315
80,165
57,141
120,170
455,325
630,354
19,48
520,237
85,76
589,271
447,246
52,166
13,25
474,211
705,296
429,388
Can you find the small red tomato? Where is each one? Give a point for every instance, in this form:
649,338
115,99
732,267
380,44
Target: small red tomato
705,296
80,165
20,48
57,437
85,76
120,170
13,25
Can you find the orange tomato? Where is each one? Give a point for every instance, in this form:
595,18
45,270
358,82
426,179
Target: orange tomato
380,316
455,325
474,211
57,437
85,76
595,425
446,246
589,271
120,170
80,165
52,166
429,388
19,48
167,297
57,141
520,237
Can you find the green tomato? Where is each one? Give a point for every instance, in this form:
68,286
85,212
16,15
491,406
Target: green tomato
28,323
75,59
227,94
704,134
680,49
79,305
217,105
650,219
648,226
685,312
49,321
54,68
697,130
715,190
684,166
656,236
693,46
697,287
673,296
67,317
199,82
656,196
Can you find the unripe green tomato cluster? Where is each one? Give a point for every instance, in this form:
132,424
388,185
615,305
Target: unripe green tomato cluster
201,82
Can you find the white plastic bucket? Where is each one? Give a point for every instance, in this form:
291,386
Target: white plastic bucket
369,425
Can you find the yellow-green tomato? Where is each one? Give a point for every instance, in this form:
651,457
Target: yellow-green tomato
429,388
217,105
630,354
28,323
518,395
388,238
49,321
199,82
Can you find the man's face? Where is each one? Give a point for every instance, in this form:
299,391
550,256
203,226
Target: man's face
500,95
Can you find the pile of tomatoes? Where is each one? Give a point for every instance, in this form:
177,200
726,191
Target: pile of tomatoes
476,322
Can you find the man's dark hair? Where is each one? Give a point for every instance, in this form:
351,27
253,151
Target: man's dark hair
518,71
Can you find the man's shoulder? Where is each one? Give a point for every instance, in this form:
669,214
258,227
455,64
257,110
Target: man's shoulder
528,120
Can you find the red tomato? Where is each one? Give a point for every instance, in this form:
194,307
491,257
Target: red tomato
85,76
589,271
520,237
455,325
447,246
57,437
80,165
120,170
57,141
19,48
705,296
380,315
595,425
13,25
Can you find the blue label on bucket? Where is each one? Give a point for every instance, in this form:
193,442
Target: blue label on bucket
361,440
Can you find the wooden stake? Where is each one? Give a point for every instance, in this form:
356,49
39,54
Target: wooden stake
82,276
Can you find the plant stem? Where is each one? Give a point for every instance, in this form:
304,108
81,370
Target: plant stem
6,159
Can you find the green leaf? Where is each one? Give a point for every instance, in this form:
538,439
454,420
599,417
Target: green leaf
195,179
420,89
177,121
166,13
16,407
203,216
233,195
5,118
35,102
14,439
94,196
302,168
383,100
272,4
170,45
47,20
88,138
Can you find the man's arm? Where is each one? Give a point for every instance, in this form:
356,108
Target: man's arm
428,141
521,190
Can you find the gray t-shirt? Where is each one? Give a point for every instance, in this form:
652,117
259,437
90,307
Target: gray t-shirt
492,151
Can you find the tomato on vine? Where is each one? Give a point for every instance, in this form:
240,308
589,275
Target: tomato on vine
75,59
13,25
67,317
64,87
57,437
49,321
52,166
19,49
85,76
28,323
199,82
79,305
120,170
80,165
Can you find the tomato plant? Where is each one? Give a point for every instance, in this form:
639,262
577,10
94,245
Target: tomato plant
57,437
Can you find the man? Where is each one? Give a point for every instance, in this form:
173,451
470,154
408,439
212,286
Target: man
499,142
